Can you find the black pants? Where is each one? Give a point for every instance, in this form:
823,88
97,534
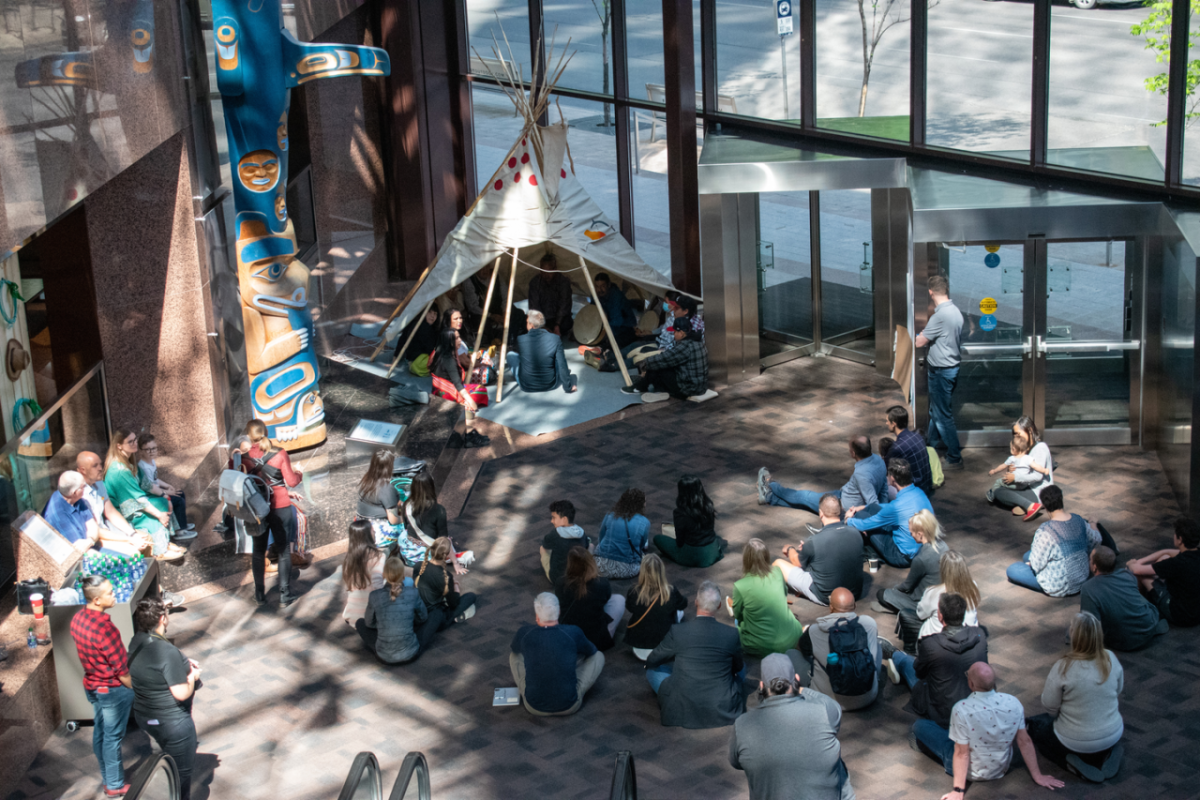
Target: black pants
1041,731
442,617
281,528
624,336
908,625
177,738
661,380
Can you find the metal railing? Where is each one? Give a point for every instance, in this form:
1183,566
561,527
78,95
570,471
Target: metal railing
157,779
365,780
624,782
414,766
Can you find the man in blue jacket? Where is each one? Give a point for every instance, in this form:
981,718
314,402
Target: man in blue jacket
886,527
540,364
616,307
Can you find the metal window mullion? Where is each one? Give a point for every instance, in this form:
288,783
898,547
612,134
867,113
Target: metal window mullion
808,64
1040,110
620,67
537,46
814,256
917,83
708,54
1177,90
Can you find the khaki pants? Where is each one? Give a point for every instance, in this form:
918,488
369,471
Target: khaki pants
546,562
587,671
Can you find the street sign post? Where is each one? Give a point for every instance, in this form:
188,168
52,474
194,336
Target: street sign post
783,25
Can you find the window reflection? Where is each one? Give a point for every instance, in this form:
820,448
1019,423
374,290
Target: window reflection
863,66
490,23
758,71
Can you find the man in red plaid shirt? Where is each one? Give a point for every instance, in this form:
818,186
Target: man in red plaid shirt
105,679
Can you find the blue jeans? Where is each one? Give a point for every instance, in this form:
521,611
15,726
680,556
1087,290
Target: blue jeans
798,498
941,413
934,741
111,711
906,666
1021,574
885,545
656,675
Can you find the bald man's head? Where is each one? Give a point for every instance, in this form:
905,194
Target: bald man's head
980,677
841,600
90,466
860,447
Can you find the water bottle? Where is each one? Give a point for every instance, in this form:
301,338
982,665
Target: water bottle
31,639
831,660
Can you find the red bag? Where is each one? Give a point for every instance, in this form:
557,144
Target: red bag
447,391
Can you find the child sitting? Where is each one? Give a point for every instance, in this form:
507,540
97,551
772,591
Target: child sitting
147,465
1020,464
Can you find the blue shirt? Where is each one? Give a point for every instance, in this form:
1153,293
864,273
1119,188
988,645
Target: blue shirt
69,519
910,446
616,307
550,655
867,484
894,517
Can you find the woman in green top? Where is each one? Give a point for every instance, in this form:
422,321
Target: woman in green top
151,515
759,605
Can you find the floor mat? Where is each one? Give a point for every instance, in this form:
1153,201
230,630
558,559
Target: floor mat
599,394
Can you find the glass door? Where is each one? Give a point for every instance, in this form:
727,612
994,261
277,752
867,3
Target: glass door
1048,333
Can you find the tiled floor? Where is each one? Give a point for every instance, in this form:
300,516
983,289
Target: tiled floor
290,698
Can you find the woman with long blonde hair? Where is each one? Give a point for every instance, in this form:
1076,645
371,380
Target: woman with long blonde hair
150,515
922,573
765,623
654,605
1083,729
395,615
955,579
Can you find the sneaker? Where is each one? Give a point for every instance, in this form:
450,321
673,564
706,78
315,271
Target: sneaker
285,602
655,397
886,648
172,599
465,614
893,673
1033,511
764,486
954,466
260,599
171,556
729,605
912,740
124,790
630,390
191,526
185,535
813,529
476,439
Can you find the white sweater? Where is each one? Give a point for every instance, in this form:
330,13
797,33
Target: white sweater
927,610
1087,711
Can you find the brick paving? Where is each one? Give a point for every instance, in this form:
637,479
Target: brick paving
290,697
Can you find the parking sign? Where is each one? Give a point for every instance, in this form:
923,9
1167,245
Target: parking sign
783,16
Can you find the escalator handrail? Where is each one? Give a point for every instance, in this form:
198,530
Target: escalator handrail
141,778
624,782
414,764
363,762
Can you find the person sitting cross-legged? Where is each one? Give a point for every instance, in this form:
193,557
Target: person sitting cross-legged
1129,621
697,669
979,745
680,372
937,676
830,558
554,665
540,364
1082,732
922,574
1057,564
558,542
886,526
955,578
867,483
788,745
853,679
759,604
1171,578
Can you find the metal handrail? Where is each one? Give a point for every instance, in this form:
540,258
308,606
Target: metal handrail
62,399
414,764
160,764
365,767
624,782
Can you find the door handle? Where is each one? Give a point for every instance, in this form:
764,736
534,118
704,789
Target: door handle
1041,347
1027,345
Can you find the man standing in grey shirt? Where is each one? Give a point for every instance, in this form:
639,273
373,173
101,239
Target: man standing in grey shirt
942,335
788,745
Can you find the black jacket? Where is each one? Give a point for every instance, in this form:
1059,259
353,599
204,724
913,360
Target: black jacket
543,365
587,612
695,531
942,663
703,690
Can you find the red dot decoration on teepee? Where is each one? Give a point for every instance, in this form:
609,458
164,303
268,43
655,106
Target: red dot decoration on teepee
512,162
533,180
522,143
517,178
564,172
525,158
499,185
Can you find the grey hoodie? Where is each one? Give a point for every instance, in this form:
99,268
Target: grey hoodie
814,644
559,543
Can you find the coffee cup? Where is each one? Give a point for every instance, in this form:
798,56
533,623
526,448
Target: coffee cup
873,564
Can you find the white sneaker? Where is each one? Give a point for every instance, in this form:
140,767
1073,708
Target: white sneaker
893,673
655,397
466,613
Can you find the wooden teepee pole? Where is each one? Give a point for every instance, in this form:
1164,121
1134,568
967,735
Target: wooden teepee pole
604,319
512,281
483,317
408,341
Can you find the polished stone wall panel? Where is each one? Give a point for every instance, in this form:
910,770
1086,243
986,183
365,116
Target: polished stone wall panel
151,300
314,17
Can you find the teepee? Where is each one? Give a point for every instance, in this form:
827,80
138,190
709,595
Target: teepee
531,206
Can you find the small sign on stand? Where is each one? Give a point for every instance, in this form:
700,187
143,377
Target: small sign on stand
371,435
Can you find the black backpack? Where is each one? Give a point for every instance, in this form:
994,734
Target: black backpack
854,672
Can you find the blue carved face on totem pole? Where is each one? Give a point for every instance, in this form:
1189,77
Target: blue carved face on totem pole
258,63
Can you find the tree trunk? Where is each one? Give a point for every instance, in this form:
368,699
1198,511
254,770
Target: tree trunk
862,99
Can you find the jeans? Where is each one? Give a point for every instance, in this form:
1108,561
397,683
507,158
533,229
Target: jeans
934,741
1022,574
798,498
111,712
277,529
885,545
941,412
179,508
177,738
906,666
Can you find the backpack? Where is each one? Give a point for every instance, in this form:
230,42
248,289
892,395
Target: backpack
244,496
853,671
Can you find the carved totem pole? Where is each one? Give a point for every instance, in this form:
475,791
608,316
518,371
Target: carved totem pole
258,63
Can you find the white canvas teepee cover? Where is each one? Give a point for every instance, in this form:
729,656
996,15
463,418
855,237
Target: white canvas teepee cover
536,205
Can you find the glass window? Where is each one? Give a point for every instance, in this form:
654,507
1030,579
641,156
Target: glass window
651,207
862,67
1191,135
1103,116
644,45
593,152
497,126
758,71
513,25
588,26
979,79
847,288
784,261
